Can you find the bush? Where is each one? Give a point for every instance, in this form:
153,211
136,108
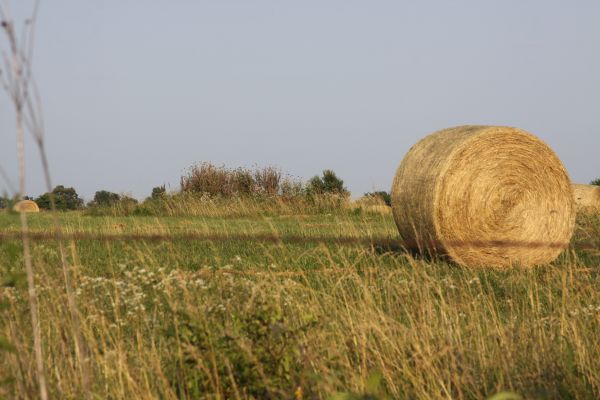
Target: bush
329,183
104,198
208,179
213,180
383,195
595,182
158,192
268,180
64,198
259,350
292,188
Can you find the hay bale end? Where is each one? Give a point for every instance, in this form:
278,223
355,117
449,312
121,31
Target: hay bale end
484,196
28,206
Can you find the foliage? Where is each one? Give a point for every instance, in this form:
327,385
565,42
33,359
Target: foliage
108,203
268,180
329,183
9,282
256,352
211,180
158,192
292,188
104,198
383,195
65,198
595,182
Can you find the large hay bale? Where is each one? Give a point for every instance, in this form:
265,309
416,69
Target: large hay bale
26,206
587,197
484,196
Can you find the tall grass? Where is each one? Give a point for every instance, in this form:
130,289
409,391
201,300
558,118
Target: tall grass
208,179
205,319
194,204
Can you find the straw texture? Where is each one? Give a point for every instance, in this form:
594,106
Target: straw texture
484,196
587,197
26,206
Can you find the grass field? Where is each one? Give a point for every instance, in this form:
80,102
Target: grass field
294,314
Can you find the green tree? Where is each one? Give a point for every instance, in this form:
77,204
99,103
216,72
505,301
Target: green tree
64,198
105,198
595,182
328,183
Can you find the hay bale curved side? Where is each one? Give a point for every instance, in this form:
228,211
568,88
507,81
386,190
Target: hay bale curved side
484,195
26,206
587,197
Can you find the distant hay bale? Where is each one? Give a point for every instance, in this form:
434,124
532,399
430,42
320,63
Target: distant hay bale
371,204
26,206
587,197
484,196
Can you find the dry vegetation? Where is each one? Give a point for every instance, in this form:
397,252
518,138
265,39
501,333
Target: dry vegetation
296,319
245,296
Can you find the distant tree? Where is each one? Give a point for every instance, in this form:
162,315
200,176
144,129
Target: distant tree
158,192
105,198
328,183
7,201
385,196
65,199
595,182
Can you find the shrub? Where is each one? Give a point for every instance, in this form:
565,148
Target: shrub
258,350
595,182
292,188
209,179
383,195
268,180
329,183
158,192
64,198
241,182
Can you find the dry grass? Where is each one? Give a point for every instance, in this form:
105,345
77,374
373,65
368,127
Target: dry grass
208,179
189,319
587,197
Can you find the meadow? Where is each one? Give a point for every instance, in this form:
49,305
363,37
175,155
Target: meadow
232,302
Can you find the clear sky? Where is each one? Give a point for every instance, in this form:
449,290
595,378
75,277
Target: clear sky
134,92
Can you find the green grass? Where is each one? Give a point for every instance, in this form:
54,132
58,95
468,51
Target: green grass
296,319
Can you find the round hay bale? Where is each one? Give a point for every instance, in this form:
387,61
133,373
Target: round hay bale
26,206
484,196
587,197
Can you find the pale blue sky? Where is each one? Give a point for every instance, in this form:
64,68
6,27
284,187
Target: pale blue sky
134,92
